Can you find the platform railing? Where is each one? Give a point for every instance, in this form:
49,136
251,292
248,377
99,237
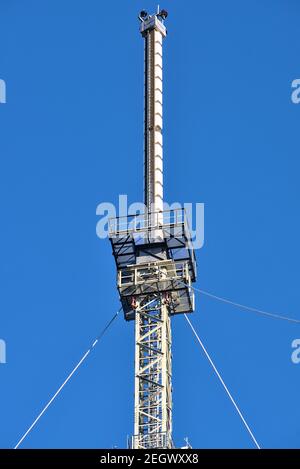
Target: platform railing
166,226
146,222
158,271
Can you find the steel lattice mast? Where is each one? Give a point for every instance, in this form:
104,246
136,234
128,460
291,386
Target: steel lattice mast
155,263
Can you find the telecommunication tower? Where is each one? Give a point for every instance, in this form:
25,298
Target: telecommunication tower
155,262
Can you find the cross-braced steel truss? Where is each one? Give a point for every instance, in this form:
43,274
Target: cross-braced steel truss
153,399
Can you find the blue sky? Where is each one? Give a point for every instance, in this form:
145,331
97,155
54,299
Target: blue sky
71,137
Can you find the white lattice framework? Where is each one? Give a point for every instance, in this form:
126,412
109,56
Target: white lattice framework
153,374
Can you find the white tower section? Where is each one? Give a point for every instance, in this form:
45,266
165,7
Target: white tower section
153,31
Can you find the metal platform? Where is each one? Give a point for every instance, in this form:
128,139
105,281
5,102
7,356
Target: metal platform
168,277
154,254
132,235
